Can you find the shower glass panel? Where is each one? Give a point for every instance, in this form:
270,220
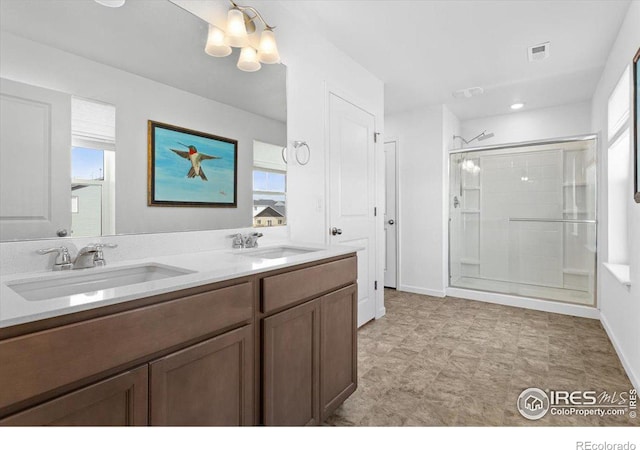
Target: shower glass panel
523,220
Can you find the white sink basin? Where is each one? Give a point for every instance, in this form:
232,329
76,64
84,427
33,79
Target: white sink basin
92,280
277,252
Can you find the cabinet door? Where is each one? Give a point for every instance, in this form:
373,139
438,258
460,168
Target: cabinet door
291,341
208,384
119,401
338,348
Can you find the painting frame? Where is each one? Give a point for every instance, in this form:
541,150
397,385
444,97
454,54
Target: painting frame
154,178
636,127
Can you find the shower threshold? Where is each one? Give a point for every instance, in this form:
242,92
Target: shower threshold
525,290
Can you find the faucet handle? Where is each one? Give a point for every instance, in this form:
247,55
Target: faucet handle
238,240
63,257
98,258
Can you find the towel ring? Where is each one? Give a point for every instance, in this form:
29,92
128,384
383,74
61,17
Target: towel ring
297,145
284,155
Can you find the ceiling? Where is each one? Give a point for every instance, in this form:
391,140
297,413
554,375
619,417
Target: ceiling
155,39
425,50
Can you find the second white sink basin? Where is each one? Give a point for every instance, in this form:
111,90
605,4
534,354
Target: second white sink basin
92,280
277,252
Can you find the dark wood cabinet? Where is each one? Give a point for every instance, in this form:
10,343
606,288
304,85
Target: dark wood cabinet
277,348
208,384
338,348
119,401
291,366
309,351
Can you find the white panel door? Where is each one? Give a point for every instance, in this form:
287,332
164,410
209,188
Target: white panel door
351,191
390,216
35,161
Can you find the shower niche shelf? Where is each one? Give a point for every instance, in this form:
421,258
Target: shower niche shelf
470,261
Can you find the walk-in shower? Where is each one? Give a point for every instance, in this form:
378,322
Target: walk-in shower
522,219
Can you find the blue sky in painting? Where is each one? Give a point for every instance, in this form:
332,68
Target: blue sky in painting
171,170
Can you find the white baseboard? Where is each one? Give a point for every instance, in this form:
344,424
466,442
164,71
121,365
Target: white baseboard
526,302
633,377
381,312
419,290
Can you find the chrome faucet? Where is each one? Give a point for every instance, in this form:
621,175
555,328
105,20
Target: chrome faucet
88,256
245,241
91,256
63,258
251,240
238,240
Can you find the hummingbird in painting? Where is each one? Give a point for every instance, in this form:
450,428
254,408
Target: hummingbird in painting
196,158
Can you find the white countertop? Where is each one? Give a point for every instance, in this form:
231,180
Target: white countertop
207,266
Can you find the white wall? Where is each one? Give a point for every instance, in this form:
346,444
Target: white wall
520,126
619,306
315,68
137,100
423,204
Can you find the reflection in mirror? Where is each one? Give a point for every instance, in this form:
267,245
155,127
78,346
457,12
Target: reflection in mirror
93,144
269,185
146,62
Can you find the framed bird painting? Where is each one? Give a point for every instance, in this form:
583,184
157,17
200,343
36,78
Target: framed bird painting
190,168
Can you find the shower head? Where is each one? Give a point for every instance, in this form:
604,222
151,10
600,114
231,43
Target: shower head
481,137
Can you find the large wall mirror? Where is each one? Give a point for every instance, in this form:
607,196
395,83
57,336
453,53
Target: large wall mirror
80,83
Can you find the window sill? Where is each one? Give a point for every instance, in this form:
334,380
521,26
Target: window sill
620,272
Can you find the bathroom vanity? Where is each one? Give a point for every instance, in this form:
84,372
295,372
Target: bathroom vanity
262,341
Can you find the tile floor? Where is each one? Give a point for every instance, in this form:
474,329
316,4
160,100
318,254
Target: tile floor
447,361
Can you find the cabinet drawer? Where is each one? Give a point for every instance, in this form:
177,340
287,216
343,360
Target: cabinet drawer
36,363
291,287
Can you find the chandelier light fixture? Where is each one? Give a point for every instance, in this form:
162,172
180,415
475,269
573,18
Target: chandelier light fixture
241,22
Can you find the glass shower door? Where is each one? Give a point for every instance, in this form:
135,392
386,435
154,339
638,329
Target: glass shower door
522,220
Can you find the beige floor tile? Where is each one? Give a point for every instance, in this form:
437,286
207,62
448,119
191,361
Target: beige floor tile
441,362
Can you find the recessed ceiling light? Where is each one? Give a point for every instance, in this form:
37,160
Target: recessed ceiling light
517,105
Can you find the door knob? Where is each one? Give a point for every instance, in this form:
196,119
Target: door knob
335,231
391,222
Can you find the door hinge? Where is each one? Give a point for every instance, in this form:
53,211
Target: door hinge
375,285
375,137
375,211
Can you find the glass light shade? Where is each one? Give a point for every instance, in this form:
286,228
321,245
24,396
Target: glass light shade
268,50
248,60
216,45
111,3
236,30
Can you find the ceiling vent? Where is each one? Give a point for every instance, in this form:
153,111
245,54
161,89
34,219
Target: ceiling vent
539,52
468,92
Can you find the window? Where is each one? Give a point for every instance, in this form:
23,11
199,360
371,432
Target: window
269,185
618,106
92,168
619,187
